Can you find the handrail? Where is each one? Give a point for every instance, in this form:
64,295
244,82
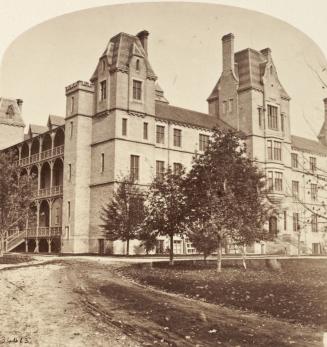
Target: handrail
49,153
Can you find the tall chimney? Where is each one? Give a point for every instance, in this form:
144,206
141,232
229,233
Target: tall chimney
143,36
228,52
20,104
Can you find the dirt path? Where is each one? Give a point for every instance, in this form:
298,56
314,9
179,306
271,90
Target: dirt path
76,303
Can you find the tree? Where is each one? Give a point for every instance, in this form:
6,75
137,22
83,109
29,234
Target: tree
226,189
123,215
148,239
165,207
16,195
202,237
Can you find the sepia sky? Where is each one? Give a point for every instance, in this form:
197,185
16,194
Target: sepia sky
184,51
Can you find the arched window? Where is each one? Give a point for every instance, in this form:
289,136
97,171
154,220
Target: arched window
137,65
271,69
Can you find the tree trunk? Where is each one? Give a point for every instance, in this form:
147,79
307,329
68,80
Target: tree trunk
219,251
244,257
127,247
171,251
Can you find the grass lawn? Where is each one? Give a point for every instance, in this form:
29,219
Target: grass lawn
296,293
15,258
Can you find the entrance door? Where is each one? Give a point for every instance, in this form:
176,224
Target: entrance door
315,248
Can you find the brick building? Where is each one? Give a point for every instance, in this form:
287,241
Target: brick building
120,123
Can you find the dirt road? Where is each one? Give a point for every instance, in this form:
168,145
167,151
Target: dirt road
84,303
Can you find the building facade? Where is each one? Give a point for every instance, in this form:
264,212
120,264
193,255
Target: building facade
120,123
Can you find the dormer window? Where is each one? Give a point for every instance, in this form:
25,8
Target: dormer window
137,90
10,112
271,70
137,65
103,90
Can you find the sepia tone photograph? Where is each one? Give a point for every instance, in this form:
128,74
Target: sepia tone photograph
163,179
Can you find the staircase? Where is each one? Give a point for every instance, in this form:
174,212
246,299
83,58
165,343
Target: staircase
14,239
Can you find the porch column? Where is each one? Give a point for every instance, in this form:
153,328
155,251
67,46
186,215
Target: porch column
41,144
50,202
26,245
51,163
49,245
37,226
52,141
19,152
38,178
29,149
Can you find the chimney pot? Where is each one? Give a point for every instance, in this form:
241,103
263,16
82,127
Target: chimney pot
143,36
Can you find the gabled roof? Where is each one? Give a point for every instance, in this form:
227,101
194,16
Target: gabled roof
10,112
56,121
250,68
37,129
308,145
187,117
119,51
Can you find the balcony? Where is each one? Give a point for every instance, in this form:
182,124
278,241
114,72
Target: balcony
48,192
275,197
48,154
44,232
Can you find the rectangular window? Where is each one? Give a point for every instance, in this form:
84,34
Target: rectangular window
68,209
102,162
260,118
177,137
160,169
69,172
314,223
295,188
72,104
224,107
278,181
103,90
294,159
296,222
285,219
230,105
277,150
270,180
137,90
134,167
313,163
314,191
71,129
272,117
124,126
145,131
160,135
282,122
177,168
203,142
270,150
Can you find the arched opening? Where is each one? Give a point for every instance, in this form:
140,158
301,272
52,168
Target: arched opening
59,139
273,225
45,176
56,245
43,246
56,213
58,170
47,143
44,214
25,151
137,65
31,245
23,172
35,146
15,153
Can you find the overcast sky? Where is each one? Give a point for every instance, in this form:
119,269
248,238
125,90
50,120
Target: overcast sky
184,51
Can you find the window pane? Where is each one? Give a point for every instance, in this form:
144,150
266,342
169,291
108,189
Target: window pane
177,137
160,135
134,167
145,131
137,90
124,126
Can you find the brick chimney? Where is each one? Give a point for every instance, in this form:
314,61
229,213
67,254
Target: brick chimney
143,36
228,52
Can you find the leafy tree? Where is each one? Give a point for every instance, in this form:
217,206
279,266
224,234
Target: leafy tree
148,239
165,207
202,237
123,215
226,189
16,195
